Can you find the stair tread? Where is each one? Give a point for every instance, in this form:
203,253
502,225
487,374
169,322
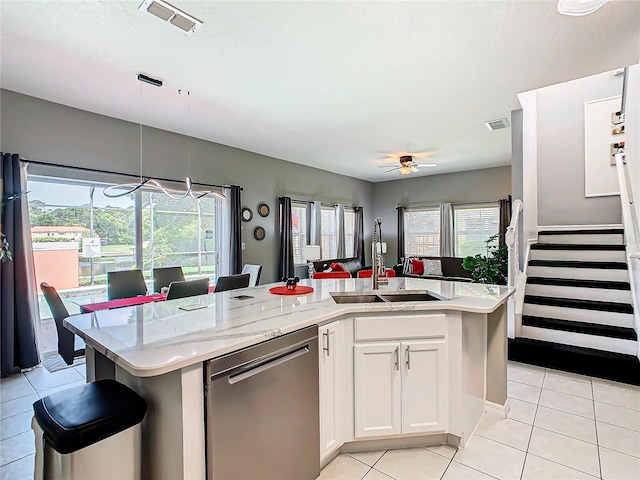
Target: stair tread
578,264
570,282
586,231
619,367
617,307
577,246
612,331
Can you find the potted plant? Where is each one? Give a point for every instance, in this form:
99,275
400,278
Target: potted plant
490,268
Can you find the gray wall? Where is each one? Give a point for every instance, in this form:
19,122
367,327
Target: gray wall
50,132
517,172
560,110
489,184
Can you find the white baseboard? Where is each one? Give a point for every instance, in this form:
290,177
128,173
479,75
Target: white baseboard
496,408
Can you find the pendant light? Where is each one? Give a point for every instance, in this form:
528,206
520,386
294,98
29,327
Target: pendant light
577,8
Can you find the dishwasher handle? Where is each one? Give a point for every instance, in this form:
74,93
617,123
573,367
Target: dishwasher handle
266,366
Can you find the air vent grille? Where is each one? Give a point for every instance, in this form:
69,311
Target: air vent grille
497,124
167,13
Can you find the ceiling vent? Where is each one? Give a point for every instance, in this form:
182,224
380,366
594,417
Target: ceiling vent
168,13
497,124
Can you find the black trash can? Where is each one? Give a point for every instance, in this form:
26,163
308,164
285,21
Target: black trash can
90,431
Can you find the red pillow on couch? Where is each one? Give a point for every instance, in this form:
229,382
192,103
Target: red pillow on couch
337,267
417,267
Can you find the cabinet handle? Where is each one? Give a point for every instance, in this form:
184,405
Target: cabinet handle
397,356
408,354
326,342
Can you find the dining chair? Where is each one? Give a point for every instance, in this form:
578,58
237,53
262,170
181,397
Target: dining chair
67,347
254,271
162,277
125,284
188,288
368,273
232,282
317,275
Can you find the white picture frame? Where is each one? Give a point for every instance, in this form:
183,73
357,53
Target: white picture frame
600,177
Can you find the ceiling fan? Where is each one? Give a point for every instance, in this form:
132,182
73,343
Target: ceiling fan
407,162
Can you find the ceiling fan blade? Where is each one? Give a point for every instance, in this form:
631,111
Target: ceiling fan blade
396,168
414,169
386,166
420,154
426,165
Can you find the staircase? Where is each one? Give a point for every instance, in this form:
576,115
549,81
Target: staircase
578,309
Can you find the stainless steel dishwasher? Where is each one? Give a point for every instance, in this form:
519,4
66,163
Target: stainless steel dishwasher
262,411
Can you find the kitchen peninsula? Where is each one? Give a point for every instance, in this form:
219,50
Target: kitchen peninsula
393,372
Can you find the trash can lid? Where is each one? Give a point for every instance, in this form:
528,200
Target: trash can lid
81,416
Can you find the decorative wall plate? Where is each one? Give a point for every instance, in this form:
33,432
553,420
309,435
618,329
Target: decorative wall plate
247,214
259,233
263,209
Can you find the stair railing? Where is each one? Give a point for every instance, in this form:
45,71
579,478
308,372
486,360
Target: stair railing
513,265
512,244
631,234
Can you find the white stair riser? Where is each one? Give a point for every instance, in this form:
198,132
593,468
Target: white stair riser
601,238
581,293
628,347
579,273
581,255
579,315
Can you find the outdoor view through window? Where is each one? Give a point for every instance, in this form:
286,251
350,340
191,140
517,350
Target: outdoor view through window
79,235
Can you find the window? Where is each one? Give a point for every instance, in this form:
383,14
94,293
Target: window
179,233
299,229
472,226
349,232
328,234
422,232
63,213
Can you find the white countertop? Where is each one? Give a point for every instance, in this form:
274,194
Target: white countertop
156,338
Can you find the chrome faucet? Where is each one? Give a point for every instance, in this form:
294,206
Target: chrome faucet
377,262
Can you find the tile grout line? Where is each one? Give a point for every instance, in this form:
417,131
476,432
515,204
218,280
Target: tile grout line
526,453
595,423
448,464
18,459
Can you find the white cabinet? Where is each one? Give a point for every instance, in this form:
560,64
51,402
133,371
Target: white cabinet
401,386
332,363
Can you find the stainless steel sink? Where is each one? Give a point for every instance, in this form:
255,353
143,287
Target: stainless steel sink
357,299
409,297
384,297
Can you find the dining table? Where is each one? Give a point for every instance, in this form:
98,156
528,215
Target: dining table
126,302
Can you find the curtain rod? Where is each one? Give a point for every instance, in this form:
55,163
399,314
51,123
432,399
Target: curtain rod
327,204
95,170
452,203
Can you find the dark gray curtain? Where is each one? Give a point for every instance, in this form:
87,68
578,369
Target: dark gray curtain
285,261
18,344
235,251
504,213
400,233
358,236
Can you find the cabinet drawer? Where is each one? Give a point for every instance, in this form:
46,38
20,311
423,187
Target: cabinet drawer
403,327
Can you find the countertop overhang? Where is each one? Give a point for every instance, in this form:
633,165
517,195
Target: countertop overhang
160,337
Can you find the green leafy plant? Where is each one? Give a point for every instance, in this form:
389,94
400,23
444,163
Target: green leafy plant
490,268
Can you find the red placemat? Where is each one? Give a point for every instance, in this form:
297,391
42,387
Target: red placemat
283,290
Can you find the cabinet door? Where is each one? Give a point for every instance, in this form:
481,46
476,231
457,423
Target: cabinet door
425,386
331,353
377,389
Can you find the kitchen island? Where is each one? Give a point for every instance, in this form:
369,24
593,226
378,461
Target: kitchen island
458,342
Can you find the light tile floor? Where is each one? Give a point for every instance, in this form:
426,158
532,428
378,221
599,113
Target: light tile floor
561,426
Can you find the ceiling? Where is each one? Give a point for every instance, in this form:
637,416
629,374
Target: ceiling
333,85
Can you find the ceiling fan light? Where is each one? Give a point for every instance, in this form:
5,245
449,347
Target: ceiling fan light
405,170
577,8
